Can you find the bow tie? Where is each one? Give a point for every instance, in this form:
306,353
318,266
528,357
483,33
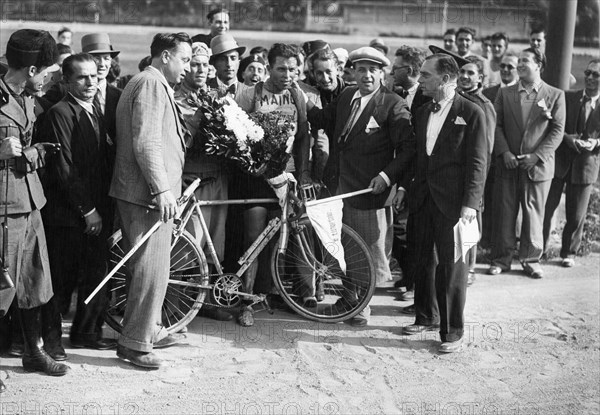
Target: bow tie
434,107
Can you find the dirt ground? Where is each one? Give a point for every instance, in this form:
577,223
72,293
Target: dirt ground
532,348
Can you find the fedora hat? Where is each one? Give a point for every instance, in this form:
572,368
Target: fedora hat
222,44
97,43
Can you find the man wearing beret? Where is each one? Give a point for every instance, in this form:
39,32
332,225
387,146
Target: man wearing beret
372,137
253,69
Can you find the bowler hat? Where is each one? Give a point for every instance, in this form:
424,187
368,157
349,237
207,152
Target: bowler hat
98,43
222,44
459,61
369,54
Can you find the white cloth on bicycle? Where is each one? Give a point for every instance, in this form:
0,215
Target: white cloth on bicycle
280,185
326,219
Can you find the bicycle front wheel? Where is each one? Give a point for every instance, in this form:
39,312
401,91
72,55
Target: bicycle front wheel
184,297
307,272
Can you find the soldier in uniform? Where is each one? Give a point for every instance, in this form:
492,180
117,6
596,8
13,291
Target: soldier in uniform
31,55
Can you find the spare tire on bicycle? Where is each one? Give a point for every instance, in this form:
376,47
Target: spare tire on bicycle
307,272
184,297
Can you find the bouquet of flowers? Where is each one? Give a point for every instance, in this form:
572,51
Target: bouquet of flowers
257,142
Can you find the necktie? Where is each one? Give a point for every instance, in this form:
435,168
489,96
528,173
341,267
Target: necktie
434,106
96,119
232,88
98,102
351,120
580,128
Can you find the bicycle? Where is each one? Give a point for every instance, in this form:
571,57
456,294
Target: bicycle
300,263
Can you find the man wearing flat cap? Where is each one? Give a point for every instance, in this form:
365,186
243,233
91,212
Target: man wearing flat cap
371,136
226,54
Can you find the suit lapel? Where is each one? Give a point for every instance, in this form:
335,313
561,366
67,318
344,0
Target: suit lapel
536,110
448,125
364,117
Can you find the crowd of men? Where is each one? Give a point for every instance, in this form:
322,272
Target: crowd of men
449,135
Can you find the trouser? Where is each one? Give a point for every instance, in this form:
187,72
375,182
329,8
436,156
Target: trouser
80,259
376,228
149,267
577,198
442,289
510,193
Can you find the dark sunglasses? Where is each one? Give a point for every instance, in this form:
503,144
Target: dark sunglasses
506,66
587,73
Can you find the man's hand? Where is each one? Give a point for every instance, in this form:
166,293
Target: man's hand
93,224
527,161
378,185
571,140
47,148
399,199
467,214
167,205
586,145
510,160
10,147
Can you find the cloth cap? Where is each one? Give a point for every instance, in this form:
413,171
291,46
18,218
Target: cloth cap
314,45
369,54
378,43
200,49
98,43
222,44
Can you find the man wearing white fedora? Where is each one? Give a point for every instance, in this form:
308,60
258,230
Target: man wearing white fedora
226,54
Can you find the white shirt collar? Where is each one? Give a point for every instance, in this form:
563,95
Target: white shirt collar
593,100
450,96
87,106
503,85
536,87
365,98
413,89
102,86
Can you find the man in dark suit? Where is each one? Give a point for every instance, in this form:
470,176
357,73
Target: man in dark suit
577,163
529,129
98,45
448,187
78,216
151,143
405,71
374,145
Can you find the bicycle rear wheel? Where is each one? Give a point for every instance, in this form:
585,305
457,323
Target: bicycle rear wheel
307,268
184,297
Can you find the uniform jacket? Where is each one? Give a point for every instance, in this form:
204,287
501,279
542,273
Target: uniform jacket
77,178
541,134
454,173
25,191
150,141
582,168
368,151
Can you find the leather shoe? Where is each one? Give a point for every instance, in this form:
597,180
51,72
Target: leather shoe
57,352
418,328
98,344
246,317
215,313
567,262
406,295
2,386
494,270
309,302
451,347
141,359
410,310
171,340
533,269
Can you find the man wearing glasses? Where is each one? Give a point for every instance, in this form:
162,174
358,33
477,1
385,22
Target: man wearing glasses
577,163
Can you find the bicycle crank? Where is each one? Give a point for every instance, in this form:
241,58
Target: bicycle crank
227,289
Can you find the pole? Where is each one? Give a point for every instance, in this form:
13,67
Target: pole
560,37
